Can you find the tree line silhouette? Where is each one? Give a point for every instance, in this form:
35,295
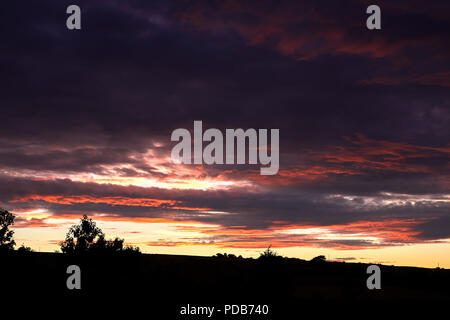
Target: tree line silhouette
83,238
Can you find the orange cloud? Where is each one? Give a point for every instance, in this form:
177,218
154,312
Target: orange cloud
365,153
114,201
355,235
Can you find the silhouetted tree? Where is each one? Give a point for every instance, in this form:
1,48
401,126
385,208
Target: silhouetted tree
6,235
87,237
81,237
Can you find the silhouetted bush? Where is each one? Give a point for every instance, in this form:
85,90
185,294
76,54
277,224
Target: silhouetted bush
269,254
112,246
318,259
227,256
24,249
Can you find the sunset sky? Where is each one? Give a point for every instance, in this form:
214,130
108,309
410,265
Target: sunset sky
364,118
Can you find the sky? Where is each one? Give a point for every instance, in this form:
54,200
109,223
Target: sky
364,118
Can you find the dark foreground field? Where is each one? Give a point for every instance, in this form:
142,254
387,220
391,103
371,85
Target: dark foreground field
163,284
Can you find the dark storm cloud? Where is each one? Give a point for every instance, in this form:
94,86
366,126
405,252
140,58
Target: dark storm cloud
135,70
436,229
